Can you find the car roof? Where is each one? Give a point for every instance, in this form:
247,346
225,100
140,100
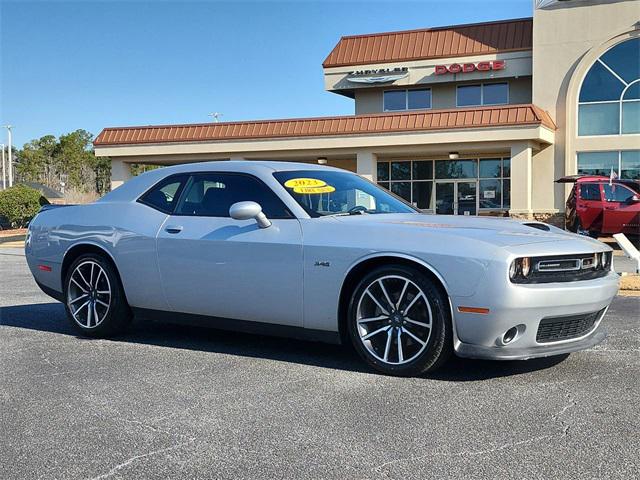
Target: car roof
136,186
247,166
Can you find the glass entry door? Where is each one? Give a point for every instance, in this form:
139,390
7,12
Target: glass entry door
457,198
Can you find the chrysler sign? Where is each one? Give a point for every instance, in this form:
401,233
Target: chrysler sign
470,67
378,75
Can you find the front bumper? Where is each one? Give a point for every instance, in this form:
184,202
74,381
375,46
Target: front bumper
524,306
468,350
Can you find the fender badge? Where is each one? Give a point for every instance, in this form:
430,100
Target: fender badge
322,264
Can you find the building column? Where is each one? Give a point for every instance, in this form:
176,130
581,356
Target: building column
367,165
521,180
120,173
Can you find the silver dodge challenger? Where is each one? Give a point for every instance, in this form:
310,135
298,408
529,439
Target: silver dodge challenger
310,251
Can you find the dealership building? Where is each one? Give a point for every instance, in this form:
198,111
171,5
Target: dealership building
475,119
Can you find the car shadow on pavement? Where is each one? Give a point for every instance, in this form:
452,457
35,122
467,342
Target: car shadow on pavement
51,317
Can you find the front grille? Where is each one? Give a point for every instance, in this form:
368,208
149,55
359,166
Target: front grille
564,268
554,329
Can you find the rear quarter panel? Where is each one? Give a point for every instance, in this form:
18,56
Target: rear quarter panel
125,230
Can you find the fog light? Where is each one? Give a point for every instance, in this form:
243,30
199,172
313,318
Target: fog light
509,335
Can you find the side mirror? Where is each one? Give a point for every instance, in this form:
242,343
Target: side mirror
247,211
635,199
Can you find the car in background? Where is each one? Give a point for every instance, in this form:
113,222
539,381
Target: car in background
598,205
4,223
311,251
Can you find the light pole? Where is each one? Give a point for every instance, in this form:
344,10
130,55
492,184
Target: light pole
4,176
9,127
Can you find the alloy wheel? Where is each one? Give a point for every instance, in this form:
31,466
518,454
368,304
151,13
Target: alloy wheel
394,319
89,294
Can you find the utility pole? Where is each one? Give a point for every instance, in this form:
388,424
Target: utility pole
8,127
4,176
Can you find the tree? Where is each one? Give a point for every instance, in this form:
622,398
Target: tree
70,159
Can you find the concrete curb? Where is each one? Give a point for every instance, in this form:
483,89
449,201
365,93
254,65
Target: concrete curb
12,238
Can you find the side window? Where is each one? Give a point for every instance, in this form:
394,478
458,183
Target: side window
590,191
617,193
212,194
164,195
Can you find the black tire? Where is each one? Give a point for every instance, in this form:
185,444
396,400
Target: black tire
116,317
435,350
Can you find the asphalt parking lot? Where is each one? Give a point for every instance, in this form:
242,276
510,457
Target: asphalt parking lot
174,402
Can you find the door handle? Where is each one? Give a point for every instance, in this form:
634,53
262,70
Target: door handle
173,229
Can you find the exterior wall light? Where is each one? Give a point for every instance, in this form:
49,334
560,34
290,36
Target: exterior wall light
322,160
454,155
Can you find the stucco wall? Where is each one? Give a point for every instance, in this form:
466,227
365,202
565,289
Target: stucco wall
565,35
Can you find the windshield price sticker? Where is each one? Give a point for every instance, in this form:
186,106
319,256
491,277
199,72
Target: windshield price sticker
304,182
314,190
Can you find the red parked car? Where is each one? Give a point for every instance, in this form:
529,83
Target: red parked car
598,205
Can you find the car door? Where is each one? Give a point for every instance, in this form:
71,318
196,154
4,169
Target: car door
589,205
620,212
213,265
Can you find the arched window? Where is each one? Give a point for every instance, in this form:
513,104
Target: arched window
609,102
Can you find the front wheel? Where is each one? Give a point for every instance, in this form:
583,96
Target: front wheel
94,299
399,322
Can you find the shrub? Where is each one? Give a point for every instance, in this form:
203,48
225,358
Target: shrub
19,204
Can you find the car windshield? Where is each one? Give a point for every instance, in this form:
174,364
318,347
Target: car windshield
329,192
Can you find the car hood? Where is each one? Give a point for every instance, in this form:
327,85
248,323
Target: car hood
496,231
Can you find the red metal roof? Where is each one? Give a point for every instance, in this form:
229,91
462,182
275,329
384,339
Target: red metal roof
452,41
425,120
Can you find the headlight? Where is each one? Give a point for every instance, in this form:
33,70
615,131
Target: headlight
520,267
606,260
513,269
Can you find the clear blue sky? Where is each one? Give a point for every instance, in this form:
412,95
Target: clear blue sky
69,65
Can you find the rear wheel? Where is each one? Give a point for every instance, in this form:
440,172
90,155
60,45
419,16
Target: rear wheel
95,302
399,323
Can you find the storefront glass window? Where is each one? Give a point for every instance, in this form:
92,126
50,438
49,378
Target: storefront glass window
490,168
423,170
400,170
609,101
631,117
597,163
402,189
599,119
506,193
625,163
422,195
630,164
414,181
506,167
457,169
383,171
414,99
490,194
